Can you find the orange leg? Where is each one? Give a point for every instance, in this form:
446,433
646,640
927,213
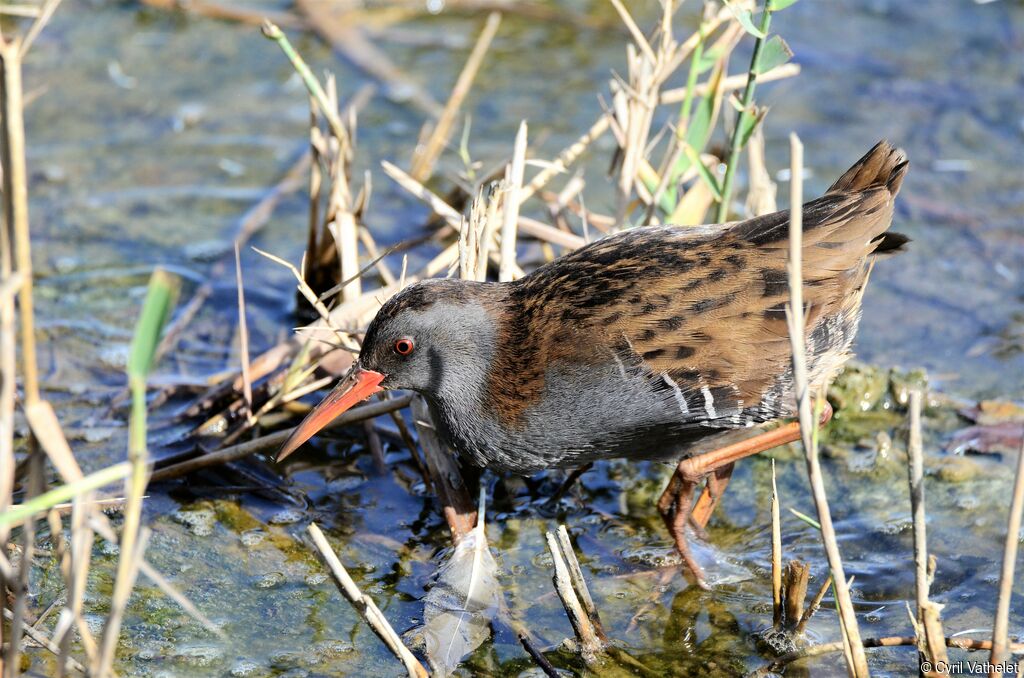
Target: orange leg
716,468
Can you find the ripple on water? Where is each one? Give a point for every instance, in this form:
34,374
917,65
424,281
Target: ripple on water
270,580
247,668
199,522
315,579
253,537
286,517
199,656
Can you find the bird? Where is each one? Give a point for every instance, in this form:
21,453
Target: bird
663,342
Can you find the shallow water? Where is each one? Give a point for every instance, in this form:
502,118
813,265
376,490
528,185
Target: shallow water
156,132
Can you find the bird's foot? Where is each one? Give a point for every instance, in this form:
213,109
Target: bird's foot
676,510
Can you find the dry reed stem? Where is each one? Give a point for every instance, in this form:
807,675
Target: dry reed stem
76,574
8,361
762,190
934,645
18,584
634,31
364,605
45,14
15,198
122,590
915,473
776,554
579,583
243,335
731,83
511,201
780,663
537,656
858,666
590,643
309,294
547,233
797,575
929,624
341,218
23,11
366,238
1001,625
70,664
813,607
426,156
564,159
436,203
16,223
473,240
273,440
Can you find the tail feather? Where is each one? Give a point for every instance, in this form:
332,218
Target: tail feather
884,165
847,224
889,243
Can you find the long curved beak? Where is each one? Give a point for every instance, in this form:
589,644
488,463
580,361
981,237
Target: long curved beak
359,385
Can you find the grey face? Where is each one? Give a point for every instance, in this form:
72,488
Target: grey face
430,348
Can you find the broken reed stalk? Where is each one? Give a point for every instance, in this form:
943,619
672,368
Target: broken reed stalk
8,360
426,156
797,575
341,208
1001,625
451,216
243,335
579,584
813,607
17,256
735,143
364,605
70,664
510,206
928,624
15,199
915,472
590,642
537,656
795,319
776,554
18,584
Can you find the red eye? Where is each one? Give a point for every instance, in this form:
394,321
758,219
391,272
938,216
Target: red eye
404,346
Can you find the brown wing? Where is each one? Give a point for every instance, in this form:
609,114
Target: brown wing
703,309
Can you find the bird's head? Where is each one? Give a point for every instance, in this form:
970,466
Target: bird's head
433,336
